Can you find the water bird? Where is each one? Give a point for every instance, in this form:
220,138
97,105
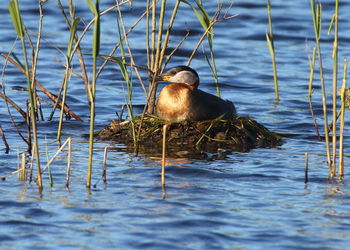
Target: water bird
183,101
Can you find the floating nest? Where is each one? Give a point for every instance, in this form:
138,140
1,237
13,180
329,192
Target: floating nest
237,134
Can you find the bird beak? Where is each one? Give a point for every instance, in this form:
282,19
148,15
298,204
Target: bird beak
162,78
165,78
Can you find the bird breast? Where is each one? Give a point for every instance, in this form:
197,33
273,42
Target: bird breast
174,102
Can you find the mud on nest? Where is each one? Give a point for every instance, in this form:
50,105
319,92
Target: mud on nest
237,134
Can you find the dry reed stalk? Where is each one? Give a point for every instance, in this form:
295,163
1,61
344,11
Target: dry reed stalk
67,75
212,22
8,100
51,96
36,55
132,62
23,167
167,35
163,192
76,73
152,89
312,71
69,56
7,147
165,129
335,79
129,50
104,170
160,35
147,37
23,113
55,155
31,166
29,134
118,44
3,178
21,32
68,161
84,75
175,49
306,179
153,36
342,122
311,78
316,16
153,83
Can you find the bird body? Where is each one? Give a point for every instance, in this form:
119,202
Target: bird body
183,101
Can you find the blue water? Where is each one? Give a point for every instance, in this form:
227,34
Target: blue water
251,200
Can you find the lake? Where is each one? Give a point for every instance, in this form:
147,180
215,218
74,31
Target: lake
232,200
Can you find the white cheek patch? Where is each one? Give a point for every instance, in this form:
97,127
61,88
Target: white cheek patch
184,77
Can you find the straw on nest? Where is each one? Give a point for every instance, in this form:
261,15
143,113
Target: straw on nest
237,134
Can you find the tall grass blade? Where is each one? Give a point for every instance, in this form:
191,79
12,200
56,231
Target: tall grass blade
73,31
16,18
125,74
342,122
317,19
95,51
269,39
17,21
67,73
206,22
335,79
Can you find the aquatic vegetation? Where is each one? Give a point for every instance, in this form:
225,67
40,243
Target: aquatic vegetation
316,11
238,133
156,44
20,29
269,39
159,17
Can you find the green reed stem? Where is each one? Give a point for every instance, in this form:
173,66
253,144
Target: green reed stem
36,55
312,71
65,87
80,54
316,16
342,122
147,38
165,129
310,90
67,74
269,38
167,35
156,49
153,37
335,76
123,69
47,160
160,34
160,51
95,51
17,21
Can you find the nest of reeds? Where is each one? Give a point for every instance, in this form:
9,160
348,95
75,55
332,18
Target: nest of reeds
237,134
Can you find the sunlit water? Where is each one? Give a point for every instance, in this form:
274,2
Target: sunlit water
247,200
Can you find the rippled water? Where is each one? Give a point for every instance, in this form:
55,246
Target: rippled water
247,200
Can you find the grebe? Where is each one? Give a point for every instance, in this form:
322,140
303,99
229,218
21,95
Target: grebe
183,101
